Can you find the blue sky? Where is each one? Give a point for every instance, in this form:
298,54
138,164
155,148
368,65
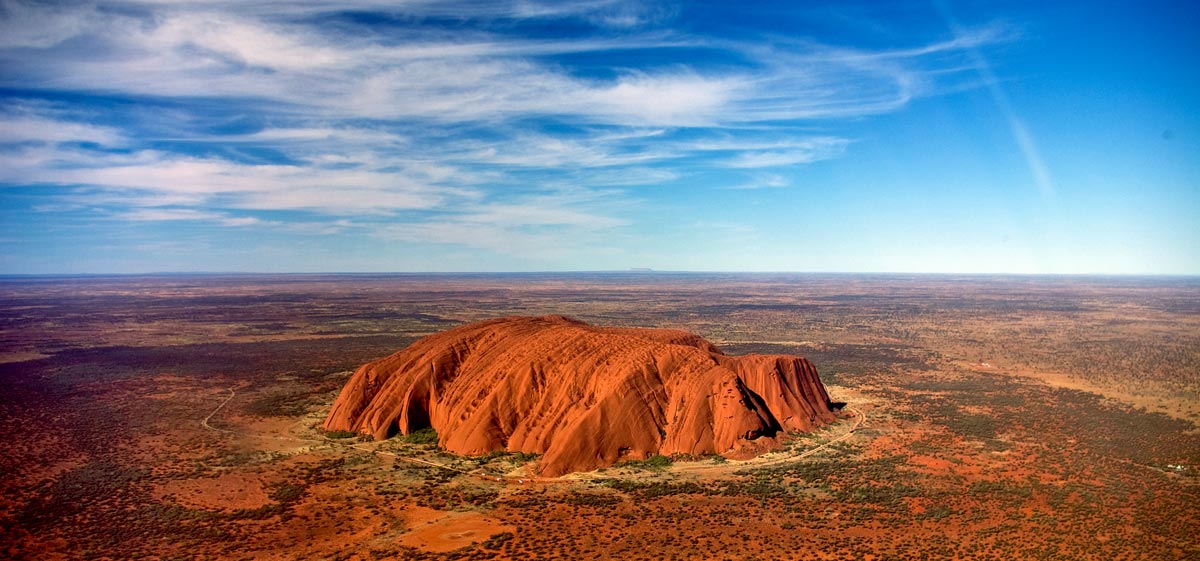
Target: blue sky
967,137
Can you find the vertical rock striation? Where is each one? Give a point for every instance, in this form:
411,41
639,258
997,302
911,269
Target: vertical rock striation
583,396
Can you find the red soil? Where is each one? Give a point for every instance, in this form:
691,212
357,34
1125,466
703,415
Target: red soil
228,491
584,396
435,530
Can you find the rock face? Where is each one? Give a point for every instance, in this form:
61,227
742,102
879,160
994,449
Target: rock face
583,396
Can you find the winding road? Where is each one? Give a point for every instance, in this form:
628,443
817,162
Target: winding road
859,419
205,424
776,458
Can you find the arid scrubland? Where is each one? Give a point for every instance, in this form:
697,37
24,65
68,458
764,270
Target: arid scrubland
175,417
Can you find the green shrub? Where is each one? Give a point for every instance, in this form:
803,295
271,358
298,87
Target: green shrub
522,457
654,463
288,492
424,436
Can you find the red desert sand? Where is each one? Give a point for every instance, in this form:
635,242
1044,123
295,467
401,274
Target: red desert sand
583,396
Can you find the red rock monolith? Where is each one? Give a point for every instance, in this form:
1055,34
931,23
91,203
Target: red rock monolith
582,396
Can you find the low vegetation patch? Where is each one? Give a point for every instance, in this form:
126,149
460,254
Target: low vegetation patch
656,462
424,436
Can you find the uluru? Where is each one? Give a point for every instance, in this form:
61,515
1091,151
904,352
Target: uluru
582,396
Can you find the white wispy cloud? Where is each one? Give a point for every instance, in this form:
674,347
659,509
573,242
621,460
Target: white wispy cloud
764,151
433,134
187,214
546,151
804,153
150,177
23,128
190,49
326,136
41,24
165,214
30,121
763,181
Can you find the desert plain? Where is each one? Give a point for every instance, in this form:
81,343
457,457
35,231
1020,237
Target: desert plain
179,417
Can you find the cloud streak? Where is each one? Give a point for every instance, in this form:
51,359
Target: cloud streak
466,134
190,49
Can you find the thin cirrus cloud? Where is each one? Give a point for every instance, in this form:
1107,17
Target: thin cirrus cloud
762,181
30,126
296,107
173,214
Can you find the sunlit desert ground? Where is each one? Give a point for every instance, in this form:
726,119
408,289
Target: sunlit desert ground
177,417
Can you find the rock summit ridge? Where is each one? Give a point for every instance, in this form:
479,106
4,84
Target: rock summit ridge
583,396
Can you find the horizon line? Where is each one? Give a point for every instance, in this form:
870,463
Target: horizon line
633,271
